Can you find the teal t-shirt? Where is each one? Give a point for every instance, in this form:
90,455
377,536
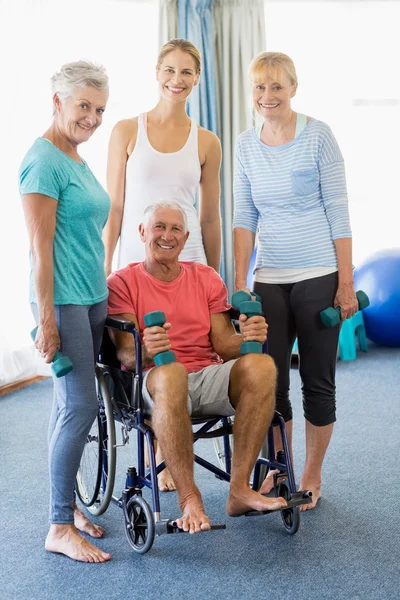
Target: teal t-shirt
82,212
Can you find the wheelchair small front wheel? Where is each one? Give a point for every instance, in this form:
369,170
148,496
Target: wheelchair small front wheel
140,527
290,516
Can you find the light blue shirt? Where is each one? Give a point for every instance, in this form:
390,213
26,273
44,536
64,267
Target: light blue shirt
294,195
82,211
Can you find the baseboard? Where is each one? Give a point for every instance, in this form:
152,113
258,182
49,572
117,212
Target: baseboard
17,385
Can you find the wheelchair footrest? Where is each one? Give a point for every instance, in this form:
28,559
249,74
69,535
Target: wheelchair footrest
297,499
169,526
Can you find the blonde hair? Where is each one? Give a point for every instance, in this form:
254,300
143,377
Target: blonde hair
272,61
184,46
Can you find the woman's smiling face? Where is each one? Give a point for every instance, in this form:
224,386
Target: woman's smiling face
81,114
272,93
177,76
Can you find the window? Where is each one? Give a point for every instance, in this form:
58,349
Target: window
346,56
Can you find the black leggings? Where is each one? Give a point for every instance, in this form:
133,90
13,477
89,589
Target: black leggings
293,310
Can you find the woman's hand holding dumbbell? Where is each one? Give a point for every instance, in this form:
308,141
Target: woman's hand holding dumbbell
47,341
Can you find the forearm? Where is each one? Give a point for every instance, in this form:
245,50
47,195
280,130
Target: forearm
344,255
111,234
211,233
127,356
244,240
231,348
43,275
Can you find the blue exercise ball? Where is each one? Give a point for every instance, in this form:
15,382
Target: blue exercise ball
250,274
379,278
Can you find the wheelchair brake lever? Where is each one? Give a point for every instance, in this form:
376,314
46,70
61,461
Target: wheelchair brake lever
125,437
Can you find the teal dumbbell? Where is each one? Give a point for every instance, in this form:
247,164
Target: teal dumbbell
61,365
242,302
331,316
157,319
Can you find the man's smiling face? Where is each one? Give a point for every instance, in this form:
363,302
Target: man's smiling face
164,235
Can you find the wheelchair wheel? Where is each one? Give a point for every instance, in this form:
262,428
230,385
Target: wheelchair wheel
291,516
96,474
140,529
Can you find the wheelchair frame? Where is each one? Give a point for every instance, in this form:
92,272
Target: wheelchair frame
143,523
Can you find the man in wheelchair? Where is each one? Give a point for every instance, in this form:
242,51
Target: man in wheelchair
209,376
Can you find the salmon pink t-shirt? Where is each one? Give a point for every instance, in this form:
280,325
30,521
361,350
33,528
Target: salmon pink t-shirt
187,302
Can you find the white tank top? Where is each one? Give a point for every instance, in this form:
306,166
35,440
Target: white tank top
152,177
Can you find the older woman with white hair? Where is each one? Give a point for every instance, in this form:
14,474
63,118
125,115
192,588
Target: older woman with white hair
65,210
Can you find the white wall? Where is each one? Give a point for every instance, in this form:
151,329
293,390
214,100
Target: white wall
347,60
36,38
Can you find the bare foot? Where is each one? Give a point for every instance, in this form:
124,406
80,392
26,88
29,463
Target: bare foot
244,499
194,519
66,539
268,483
315,488
165,481
85,525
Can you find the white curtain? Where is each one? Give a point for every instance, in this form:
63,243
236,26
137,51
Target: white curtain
168,21
239,35
36,38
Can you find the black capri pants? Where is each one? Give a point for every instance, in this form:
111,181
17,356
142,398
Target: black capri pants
293,310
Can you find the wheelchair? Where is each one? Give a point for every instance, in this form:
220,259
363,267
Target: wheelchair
120,400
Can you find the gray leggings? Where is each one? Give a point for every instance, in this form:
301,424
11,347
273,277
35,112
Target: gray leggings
293,310
75,401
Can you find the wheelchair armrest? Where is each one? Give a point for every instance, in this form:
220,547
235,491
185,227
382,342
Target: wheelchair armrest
121,324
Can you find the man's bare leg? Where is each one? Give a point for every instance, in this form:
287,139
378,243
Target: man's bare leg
268,482
165,480
252,394
168,386
66,539
317,442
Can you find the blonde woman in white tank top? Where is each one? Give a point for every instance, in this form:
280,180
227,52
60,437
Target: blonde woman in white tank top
163,156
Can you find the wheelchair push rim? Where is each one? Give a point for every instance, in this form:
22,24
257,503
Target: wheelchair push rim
88,478
99,499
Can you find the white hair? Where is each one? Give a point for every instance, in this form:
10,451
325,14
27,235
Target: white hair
151,209
78,75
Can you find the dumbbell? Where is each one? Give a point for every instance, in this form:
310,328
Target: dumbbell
331,316
61,365
153,319
242,302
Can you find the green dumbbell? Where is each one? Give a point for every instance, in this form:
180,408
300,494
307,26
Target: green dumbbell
153,319
242,302
61,365
331,316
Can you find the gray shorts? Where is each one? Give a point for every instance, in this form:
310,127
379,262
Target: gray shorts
208,392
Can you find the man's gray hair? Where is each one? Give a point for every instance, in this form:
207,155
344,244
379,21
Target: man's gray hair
78,75
150,210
